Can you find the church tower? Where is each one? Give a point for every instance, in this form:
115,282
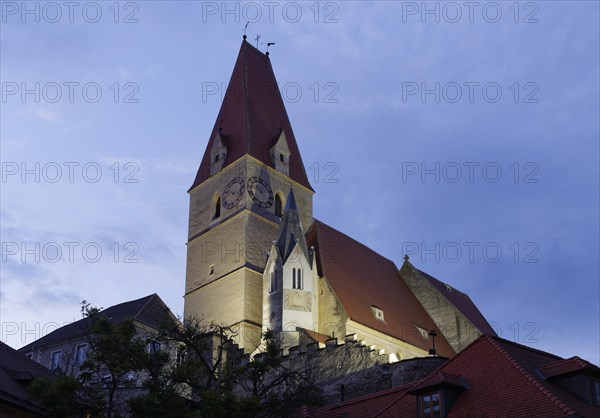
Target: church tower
237,200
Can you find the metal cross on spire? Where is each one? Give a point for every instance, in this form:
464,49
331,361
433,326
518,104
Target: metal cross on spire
257,39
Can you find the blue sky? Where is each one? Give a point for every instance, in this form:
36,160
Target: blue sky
468,139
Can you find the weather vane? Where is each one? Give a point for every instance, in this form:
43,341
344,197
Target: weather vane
268,45
246,27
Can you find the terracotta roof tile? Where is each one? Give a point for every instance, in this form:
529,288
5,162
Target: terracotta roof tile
312,412
568,366
502,382
361,278
251,117
437,379
369,405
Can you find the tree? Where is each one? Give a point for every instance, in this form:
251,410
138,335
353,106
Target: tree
189,369
225,383
65,396
116,354
101,384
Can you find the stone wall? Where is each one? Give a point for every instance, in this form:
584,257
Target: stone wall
458,330
356,368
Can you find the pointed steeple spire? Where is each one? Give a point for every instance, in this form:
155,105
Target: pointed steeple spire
252,117
290,229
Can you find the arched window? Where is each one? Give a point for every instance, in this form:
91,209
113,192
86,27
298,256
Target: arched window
278,211
297,278
217,208
273,281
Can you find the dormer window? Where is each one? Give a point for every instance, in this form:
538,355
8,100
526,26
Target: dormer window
377,312
424,333
575,375
218,154
437,394
431,405
280,155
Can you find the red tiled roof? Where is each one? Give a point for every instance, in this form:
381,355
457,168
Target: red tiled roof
502,381
369,405
361,278
313,335
568,366
437,379
312,412
462,302
252,117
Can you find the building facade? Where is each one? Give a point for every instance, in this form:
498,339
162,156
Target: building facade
257,259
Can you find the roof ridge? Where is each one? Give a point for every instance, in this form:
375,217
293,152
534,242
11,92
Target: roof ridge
372,395
526,347
385,408
150,297
582,363
536,383
454,289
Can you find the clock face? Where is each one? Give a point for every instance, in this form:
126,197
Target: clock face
260,192
233,193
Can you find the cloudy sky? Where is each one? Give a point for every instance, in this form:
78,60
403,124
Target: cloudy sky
464,135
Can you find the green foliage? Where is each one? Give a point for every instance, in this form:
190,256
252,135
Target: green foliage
159,403
65,396
206,379
221,404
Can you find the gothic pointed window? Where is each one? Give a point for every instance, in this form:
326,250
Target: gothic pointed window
297,278
278,211
217,208
273,281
